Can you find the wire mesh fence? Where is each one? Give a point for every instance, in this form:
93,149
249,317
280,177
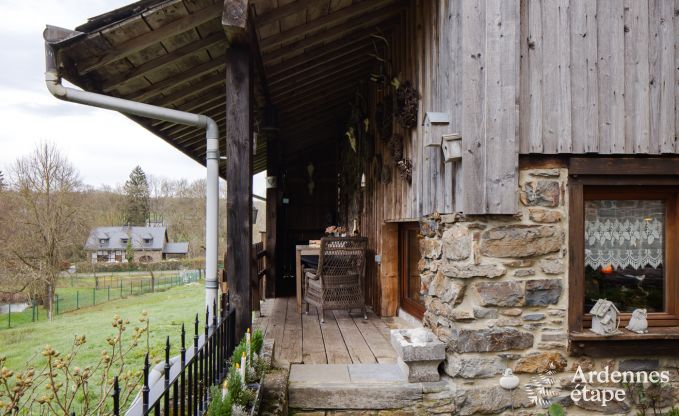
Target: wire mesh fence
86,291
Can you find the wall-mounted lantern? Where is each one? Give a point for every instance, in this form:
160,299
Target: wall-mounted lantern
434,123
451,144
271,182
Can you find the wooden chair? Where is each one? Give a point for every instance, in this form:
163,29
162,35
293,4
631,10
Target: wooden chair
338,282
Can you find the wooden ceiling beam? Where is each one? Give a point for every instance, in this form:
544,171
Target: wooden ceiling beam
192,106
161,61
359,57
343,94
235,19
345,72
174,129
283,11
190,74
191,90
321,120
349,28
327,89
147,39
339,47
191,131
325,22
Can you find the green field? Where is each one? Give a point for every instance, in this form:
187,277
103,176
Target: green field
167,310
76,292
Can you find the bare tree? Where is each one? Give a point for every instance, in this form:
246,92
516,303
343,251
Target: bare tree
48,225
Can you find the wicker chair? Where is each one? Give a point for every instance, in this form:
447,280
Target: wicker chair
338,282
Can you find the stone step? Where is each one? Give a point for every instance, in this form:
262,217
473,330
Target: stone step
350,386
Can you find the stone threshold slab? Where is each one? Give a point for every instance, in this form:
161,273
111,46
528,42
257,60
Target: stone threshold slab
352,386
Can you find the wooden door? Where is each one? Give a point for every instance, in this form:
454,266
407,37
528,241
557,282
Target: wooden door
409,276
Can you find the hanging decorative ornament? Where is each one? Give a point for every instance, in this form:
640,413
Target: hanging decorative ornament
351,135
396,147
509,381
407,99
405,168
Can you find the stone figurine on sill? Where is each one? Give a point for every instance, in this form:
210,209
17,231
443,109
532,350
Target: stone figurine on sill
638,323
605,318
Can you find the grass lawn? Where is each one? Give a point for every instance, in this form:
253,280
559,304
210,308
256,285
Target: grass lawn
80,292
167,310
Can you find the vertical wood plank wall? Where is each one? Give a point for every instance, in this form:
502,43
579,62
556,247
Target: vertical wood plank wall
490,72
423,50
599,77
566,76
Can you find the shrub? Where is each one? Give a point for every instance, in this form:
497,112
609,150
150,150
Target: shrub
60,386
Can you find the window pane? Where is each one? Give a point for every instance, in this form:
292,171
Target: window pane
624,253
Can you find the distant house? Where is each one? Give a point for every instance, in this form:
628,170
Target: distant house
149,244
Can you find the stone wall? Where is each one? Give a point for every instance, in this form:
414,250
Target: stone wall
496,291
156,255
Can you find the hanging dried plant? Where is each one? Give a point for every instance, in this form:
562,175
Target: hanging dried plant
405,168
384,118
352,138
407,99
395,145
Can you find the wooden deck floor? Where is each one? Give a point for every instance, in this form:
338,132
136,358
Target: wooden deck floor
343,339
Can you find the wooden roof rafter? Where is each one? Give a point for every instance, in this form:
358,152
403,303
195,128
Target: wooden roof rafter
169,53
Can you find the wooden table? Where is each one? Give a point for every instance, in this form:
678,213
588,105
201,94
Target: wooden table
302,250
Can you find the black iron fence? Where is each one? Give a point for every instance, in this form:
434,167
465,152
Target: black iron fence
185,386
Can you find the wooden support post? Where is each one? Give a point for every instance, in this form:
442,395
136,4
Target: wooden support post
272,169
239,183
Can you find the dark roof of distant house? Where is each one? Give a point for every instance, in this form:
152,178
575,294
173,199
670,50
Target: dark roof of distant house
176,248
116,238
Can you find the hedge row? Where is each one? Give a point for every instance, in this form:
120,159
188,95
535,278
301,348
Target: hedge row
195,263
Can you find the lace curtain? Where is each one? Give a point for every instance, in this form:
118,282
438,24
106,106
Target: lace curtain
624,233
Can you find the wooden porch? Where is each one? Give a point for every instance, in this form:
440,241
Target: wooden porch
344,338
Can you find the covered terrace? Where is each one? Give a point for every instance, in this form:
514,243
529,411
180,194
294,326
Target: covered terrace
285,82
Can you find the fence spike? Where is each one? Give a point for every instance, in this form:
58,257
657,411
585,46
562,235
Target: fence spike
145,389
183,349
116,397
167,360
195,336
214,311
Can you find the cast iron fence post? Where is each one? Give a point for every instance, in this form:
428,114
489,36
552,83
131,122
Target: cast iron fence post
77,299
195,368
145,389
208,350
116,397
166,397
182,353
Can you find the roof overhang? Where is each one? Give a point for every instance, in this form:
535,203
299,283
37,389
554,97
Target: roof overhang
310,54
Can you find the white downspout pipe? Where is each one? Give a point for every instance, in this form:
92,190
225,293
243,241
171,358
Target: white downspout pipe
53,81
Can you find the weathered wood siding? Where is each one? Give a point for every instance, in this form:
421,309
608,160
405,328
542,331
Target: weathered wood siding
490,73
599,76
423,50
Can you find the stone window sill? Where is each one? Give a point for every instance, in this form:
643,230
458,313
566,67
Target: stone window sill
658,340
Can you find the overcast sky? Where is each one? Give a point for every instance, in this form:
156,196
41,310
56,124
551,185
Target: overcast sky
104,145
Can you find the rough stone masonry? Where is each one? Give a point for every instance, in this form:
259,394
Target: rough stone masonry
496,293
